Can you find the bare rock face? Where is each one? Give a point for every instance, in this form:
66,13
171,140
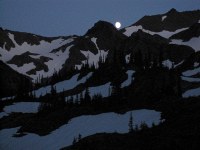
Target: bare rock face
12,81
173,21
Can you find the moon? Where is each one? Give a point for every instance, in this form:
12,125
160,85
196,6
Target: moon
117,25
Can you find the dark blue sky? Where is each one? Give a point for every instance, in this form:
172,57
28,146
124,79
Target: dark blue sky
66,17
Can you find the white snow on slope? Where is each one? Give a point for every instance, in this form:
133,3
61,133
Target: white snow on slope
128,81
189,73
7,98
194,43
190,79
2,114
163,18
94,58
192,92
94,40
24,107
43,49
63,85
23,69
176,65
164,33
58,59
196,64
167,63
127,58
84,125
102,89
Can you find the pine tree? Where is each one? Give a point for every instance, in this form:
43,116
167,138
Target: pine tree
74,141
179,89
130,124
71,100
53,90
161,59
81,98
79,137
87,98
77,100
143,126
131,60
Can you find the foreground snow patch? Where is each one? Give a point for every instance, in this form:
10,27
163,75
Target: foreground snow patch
23,107
84,125
191,93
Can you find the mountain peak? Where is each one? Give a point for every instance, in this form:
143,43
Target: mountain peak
172,11
101,27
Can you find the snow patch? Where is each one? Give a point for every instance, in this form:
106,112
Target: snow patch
164,33
167,63
192,92
163,18
189,73
190,79
176,65
94,58
63,85
127,58
84,125
102,89
128,81
194,43
23,107
94,40
23,69
7,98
2,114
196,64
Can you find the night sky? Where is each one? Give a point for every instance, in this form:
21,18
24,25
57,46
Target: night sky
67,17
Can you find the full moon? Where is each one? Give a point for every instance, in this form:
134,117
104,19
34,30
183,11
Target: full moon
117,25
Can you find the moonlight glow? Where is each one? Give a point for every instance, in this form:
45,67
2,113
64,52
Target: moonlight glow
117,25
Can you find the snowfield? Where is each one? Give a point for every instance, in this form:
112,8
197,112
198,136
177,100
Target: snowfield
164,33
43,49
63,85
24,107
84,125
194,43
